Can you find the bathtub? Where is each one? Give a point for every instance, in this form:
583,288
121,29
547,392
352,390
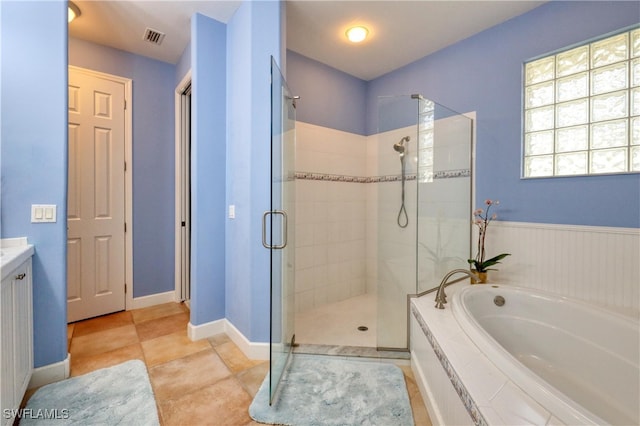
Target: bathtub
545,359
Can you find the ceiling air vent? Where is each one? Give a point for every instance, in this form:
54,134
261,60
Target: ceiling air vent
153,36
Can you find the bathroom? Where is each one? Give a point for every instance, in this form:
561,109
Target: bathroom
478,74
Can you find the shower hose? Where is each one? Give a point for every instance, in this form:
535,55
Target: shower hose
403,218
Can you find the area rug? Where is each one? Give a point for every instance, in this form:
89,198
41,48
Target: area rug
324,390
118,395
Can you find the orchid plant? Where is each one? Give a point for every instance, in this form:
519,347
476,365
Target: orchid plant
482,219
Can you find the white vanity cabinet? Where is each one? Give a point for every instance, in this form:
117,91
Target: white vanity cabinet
16,335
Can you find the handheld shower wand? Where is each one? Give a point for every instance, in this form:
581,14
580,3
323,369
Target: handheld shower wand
399,147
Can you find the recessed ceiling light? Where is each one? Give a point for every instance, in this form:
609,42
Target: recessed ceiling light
357,34
73,11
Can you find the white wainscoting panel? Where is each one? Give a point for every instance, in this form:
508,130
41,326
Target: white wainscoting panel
595,264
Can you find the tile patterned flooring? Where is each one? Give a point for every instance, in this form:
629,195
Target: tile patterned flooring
207,382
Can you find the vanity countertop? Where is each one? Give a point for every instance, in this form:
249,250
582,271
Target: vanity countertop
13,251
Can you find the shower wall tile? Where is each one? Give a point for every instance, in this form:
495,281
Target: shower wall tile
320,296
320,233
330,217
388,159
304,300
347,227
324,150
304,234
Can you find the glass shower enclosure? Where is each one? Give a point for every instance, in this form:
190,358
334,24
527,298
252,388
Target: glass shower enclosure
278,232
424,194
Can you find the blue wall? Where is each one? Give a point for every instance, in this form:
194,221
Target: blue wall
208,154
34,156
184,64
484,74
153,158
328,97
254,35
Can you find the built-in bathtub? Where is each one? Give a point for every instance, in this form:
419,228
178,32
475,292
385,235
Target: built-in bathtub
537,359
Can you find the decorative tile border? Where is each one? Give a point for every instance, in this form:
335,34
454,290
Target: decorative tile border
390,178
462,392
330,177
449,174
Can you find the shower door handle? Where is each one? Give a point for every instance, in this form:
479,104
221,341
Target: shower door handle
265,243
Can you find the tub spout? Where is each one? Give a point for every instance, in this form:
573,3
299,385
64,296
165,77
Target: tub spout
441,297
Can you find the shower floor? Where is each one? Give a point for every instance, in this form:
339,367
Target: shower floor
337,323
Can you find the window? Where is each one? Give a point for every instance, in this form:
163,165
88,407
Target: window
582,109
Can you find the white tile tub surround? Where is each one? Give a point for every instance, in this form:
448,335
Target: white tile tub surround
589,263
472,390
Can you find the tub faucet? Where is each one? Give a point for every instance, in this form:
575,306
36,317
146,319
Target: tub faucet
441,297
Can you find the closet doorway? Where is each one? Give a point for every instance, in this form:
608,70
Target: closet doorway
183,190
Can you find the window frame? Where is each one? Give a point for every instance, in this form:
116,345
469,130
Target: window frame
588,126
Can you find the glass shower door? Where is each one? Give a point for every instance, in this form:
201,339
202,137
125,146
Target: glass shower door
423,205
280,223
444,192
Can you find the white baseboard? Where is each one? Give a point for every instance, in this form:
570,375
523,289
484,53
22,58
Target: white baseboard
209,329
50,373
252,350
153,299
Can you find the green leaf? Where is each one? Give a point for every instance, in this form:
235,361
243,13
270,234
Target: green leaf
484,266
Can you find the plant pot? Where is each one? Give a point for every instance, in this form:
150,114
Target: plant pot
481,275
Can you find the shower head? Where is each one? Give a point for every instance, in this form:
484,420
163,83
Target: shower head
399,147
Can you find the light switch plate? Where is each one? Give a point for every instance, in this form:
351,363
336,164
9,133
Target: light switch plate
43,213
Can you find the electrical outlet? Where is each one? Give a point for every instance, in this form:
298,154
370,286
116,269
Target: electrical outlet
232,211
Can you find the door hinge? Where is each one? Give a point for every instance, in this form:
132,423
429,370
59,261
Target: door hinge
125,288
125,227
125,104
125,166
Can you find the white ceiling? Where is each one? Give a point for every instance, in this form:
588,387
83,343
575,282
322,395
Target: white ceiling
400,31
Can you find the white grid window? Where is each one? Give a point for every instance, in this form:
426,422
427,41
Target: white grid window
582,109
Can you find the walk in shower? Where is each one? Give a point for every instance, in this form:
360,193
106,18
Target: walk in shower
379,217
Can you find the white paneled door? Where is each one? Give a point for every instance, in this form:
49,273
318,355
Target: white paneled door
96,196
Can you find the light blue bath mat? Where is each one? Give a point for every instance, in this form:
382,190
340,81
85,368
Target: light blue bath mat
323,390
118,395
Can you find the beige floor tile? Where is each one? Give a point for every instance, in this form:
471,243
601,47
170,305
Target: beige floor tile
195,383
224,403
157,311
103,341
105,322
85,364
420,413
219,339
162,326
172,346
234,358
252,378
174,379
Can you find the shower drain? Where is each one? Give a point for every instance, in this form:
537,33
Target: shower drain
363,328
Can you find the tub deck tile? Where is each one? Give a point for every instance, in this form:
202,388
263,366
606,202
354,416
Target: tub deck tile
488,394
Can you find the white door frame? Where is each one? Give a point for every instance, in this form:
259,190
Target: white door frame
128,177
186,80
